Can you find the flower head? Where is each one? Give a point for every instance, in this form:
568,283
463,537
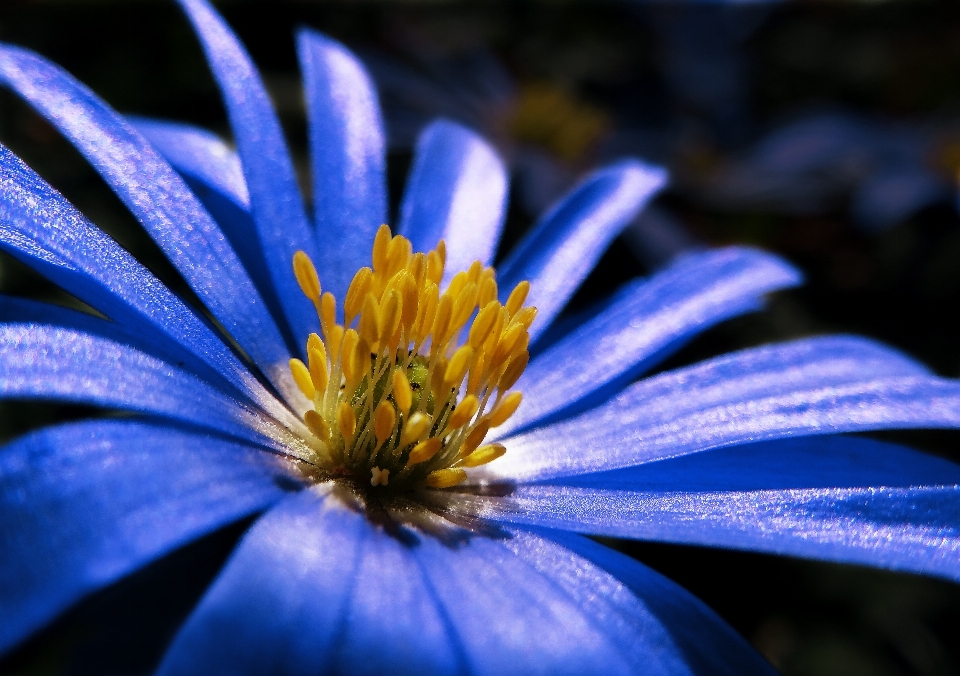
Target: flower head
398,393
363,432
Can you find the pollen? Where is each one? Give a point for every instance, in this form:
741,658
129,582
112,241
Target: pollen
406,388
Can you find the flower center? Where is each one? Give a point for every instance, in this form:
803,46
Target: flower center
397,396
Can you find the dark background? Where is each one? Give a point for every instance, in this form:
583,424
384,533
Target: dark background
562,86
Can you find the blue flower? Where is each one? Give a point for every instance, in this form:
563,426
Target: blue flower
490,576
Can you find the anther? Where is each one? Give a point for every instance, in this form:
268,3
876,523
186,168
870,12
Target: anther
425,450
465,410
506,408
384,420
414,428
402,392
317,425
301,376
517,297
483,455
318,367
306,275
445,478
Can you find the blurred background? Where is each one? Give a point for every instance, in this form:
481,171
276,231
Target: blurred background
826,131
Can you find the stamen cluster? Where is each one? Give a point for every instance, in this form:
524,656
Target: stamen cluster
397,396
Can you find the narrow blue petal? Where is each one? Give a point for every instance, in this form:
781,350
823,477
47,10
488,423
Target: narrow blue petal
213,172
82,505
160,200
50,362
315,588
198,154
805,462
23,311
44,231
561,250
660,627
347,156
457,192
835,498
812,386
643,324
909,529
275,200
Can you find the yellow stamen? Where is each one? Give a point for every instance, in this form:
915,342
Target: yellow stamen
385,419
318,368
346,420
483,455
328,313
402,392
514,371
424,451
445,478
465,410
306,276
397,390
356,293
301,376
414,428
475,438
517,297
380,244
317,425
506,408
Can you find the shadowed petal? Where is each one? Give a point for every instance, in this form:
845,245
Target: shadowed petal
347,155
831,498
658,626
49,362
812,386
457,191
511,617
561,250
197,154
275,200
215,175
642,325
315,588
159,199
82,505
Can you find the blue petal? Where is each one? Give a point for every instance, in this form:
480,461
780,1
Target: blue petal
23,311
347,154
457,191
841,499
197,154
658,625
41,229
82,505
215,175
275,200
158,198
511,617
561,250
642,325
316,588
812,386
50,362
